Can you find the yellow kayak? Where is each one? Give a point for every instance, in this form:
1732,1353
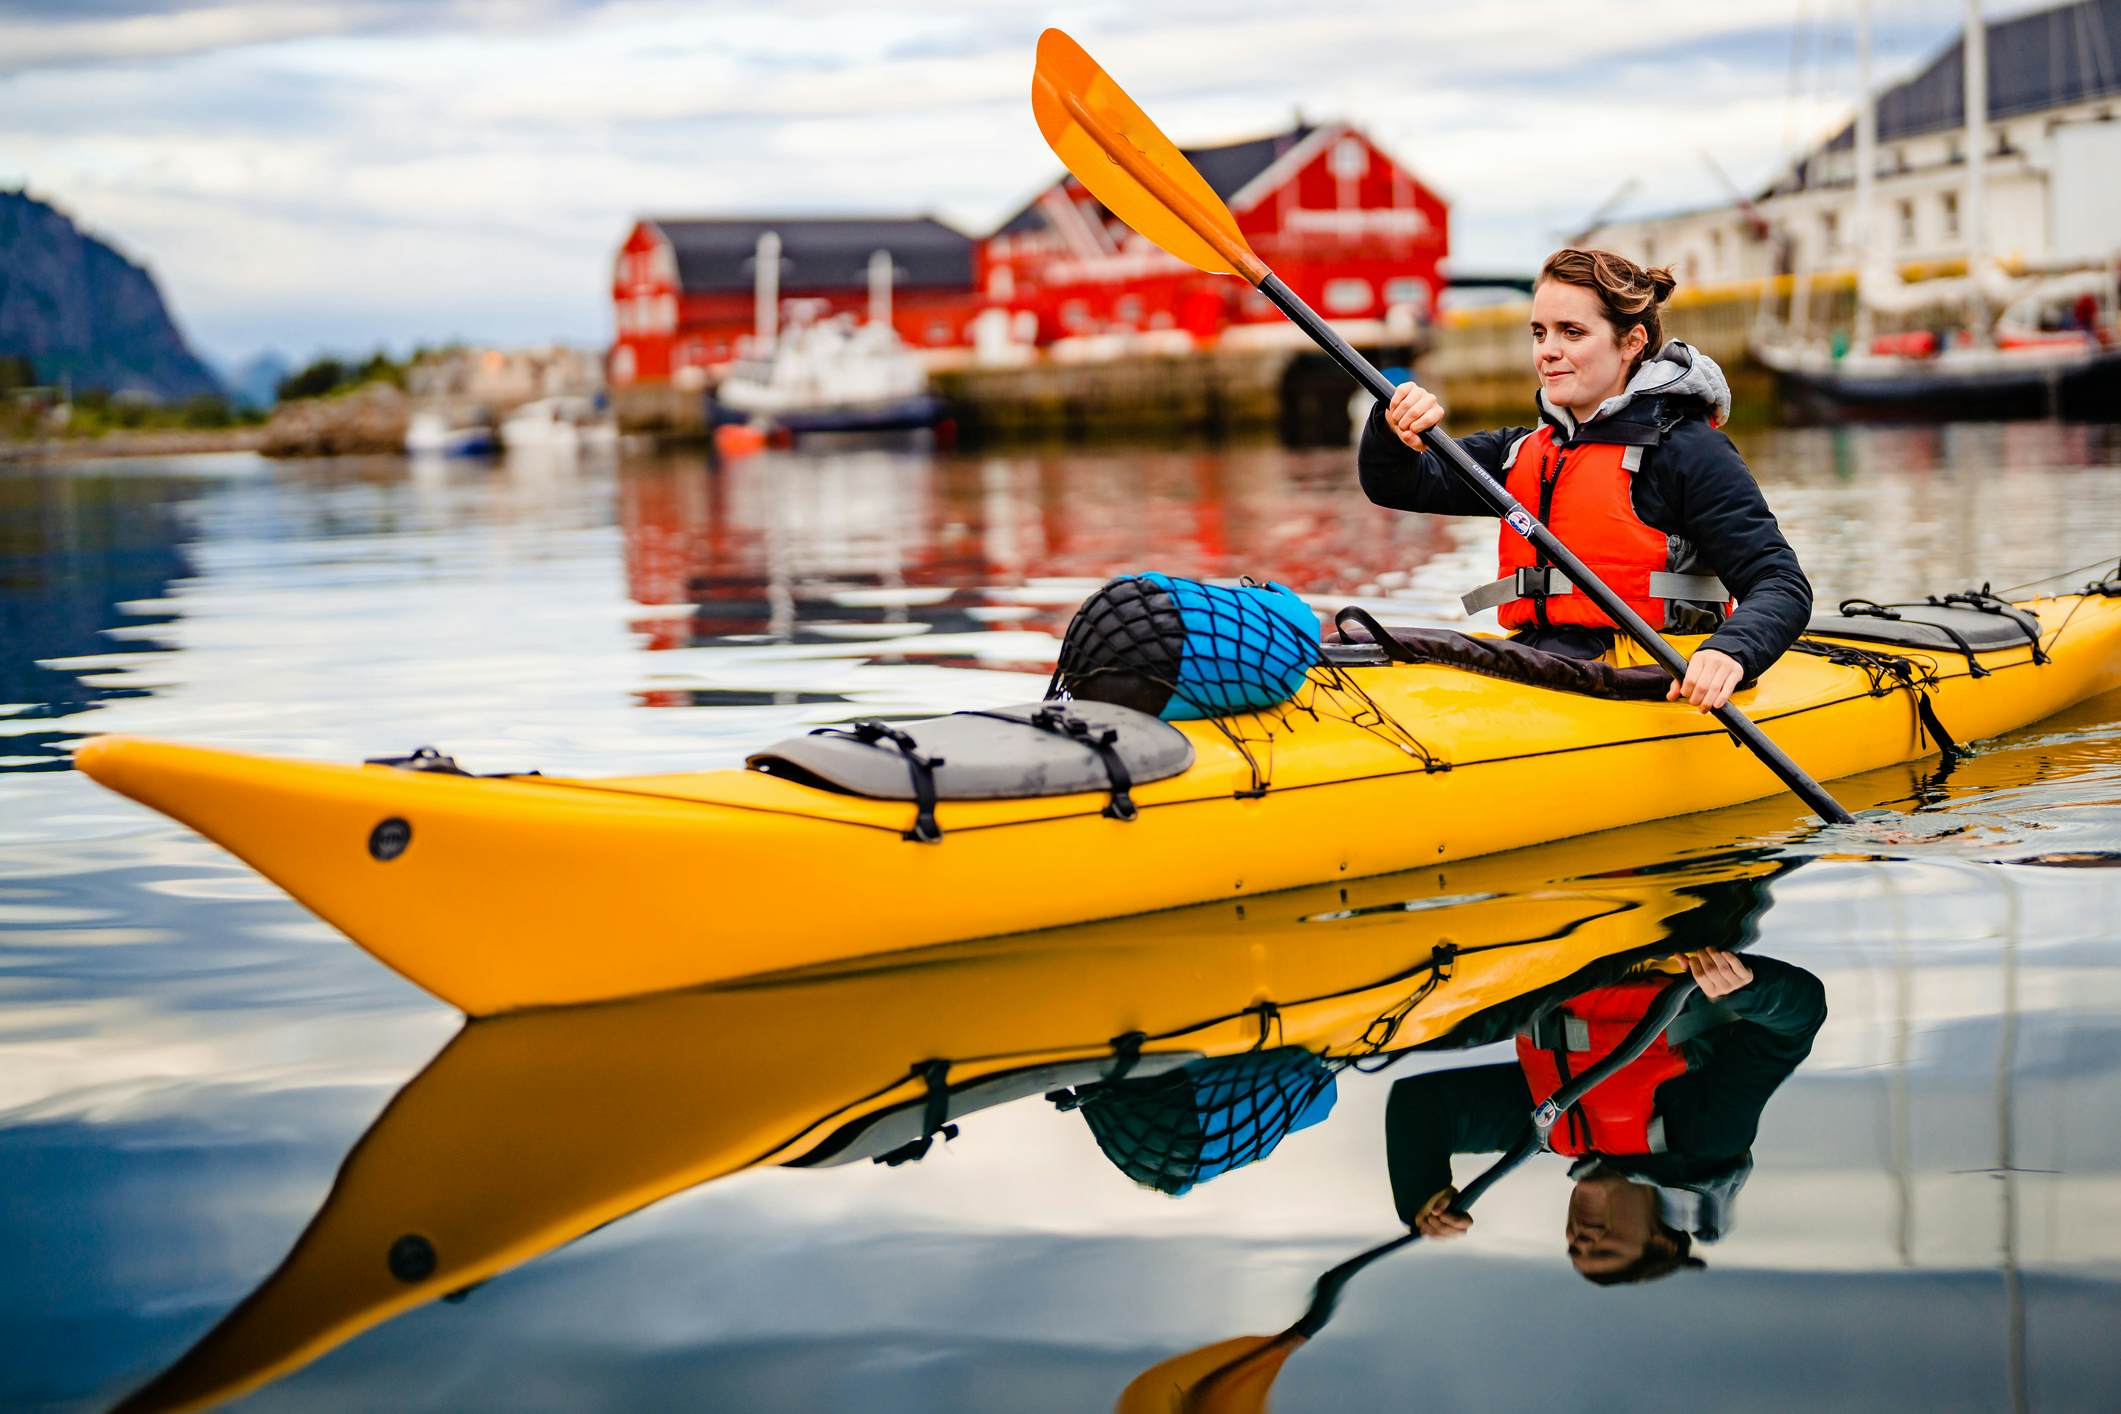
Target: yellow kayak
497,894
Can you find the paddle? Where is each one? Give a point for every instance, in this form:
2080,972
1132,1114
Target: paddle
1234,1376
1127,163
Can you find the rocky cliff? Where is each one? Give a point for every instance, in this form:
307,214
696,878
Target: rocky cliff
79,310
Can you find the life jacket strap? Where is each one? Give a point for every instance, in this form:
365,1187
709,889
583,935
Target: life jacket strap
1531,582
1705,587
1541,582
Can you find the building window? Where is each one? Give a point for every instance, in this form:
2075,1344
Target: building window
1951,215
1829,231
1075,315
1907,221
1128,309
1408,290
1716,252
622,364
1348,295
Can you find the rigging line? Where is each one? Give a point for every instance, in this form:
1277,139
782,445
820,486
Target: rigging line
2101,563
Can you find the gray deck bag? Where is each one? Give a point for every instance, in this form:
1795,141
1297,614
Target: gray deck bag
1010,753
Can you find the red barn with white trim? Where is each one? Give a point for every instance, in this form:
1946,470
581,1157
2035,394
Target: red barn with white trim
1344,225
682,289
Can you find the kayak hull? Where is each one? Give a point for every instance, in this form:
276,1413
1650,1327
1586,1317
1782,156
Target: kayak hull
521,892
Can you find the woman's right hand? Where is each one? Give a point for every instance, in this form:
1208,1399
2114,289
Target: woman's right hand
1413,411
1438,1220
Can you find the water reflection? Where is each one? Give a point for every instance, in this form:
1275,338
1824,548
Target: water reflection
530,1130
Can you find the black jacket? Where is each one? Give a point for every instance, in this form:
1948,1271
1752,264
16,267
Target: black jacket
1694,485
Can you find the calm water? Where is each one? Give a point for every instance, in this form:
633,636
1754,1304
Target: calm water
187,1058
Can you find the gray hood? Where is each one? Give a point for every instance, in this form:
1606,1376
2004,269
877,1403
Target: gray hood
1679,370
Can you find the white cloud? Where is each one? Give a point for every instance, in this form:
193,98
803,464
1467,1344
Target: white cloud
368,169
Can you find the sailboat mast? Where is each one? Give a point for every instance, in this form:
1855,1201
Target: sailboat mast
1866,167
1973,214
880,287
766,291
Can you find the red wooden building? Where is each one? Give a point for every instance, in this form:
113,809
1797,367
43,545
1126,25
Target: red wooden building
682,289
1348,228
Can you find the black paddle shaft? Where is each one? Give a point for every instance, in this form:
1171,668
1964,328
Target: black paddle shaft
1526,524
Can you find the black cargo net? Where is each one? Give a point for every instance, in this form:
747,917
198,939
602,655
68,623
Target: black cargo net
1186,1126
1222,655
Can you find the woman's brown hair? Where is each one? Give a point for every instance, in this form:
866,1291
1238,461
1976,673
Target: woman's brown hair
1630,294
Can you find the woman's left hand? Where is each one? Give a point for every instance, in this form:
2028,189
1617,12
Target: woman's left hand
1718,973
1711,678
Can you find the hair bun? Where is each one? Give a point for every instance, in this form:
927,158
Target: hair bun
1661,283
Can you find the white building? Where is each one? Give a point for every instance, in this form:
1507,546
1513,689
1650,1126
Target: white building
2050,190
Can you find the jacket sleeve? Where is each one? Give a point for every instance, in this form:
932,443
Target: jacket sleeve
1714,502
1395,475
1478,1110
1714,1109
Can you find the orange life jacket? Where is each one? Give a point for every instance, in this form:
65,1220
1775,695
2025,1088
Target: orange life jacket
1614,1118
1584,493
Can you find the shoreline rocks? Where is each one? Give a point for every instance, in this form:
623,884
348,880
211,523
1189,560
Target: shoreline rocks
370,418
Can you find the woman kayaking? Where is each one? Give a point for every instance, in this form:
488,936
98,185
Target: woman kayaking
1628,469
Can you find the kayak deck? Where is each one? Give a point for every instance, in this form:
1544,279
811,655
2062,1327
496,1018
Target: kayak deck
503,893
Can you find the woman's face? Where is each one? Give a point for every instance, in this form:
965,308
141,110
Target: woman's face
1579,361
1611,1222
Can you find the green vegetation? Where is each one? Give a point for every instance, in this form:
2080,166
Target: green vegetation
96,412
330,375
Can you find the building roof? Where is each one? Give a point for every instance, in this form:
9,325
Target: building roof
2042,60
818,253
1226,167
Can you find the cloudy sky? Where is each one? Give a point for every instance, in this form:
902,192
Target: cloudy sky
308,174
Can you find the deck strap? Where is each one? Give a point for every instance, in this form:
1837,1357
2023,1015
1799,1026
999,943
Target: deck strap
1982,601
1892,672
1103,740
935,1116
920,770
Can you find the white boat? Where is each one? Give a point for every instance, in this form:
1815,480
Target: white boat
2023,363
834,375
560,424
432,435
824,375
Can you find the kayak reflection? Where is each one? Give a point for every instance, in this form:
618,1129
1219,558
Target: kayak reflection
530,1130
1651,1072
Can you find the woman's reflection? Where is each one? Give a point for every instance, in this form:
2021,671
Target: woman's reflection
1662,1147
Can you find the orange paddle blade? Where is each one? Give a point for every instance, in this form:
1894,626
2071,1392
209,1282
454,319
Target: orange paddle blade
1113,149
1230,1377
